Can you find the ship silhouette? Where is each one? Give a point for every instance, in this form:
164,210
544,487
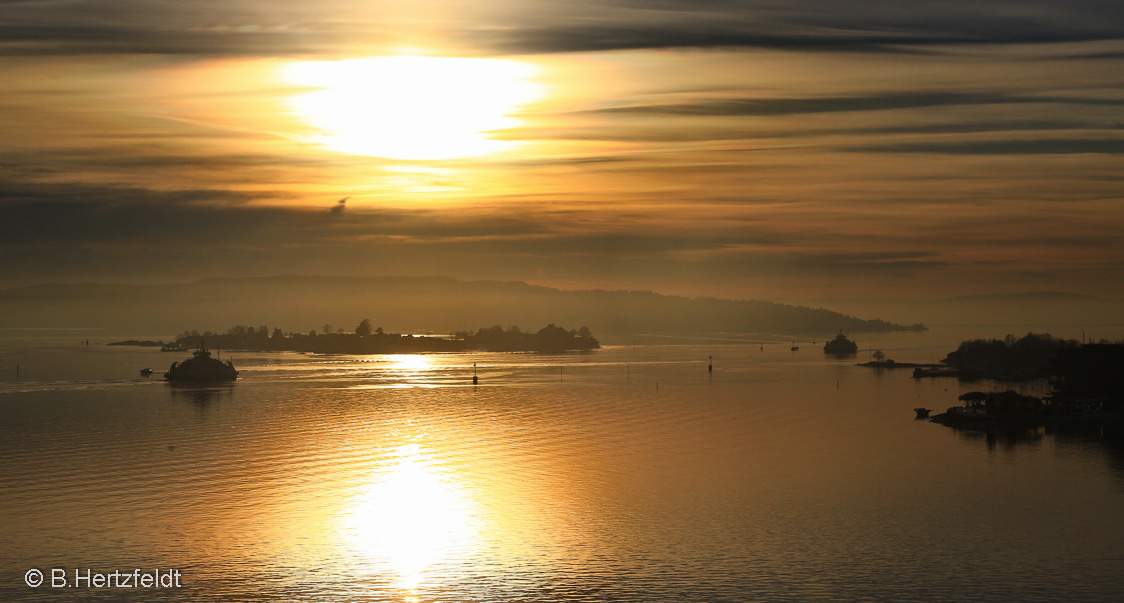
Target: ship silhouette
201,367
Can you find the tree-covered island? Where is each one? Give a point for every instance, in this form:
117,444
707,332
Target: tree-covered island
1027,358
1085,379
365,339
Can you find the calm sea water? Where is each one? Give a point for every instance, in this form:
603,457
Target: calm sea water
627,474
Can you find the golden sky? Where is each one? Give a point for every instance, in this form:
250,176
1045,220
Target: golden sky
793,150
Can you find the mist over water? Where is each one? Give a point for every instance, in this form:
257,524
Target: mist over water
626,474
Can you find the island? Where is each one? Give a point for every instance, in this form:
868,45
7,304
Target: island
1009,359
1029,357
146,343
1087,389
365,339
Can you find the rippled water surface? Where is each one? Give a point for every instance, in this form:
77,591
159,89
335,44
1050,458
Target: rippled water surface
627,474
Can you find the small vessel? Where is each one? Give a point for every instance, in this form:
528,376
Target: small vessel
922,413
201,367
935,371
172,347
840,345
794,347
145,372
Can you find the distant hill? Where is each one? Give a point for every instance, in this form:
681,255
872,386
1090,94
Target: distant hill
406,304
1047,308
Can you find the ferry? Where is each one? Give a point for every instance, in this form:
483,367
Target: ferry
201,367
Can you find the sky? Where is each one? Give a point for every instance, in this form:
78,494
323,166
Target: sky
754,149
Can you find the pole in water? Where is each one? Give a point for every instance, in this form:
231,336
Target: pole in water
475,379
627,373
710,363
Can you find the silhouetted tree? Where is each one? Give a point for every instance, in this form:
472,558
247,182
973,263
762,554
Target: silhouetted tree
364,328
973,397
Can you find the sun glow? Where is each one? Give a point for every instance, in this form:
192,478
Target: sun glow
410,363
412,107
412,518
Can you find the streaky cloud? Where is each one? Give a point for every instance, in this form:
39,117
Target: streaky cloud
252,27
839,104
1054,146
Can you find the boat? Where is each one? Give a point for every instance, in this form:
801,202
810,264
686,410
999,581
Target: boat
840,345
922,413
145,372
201,367
935,371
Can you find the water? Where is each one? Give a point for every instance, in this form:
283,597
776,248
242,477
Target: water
627,474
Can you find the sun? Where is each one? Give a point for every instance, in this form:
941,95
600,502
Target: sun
412,107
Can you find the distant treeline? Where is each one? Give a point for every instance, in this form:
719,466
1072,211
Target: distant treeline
364,339
1025,358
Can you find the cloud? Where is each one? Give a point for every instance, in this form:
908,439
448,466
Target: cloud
251,27
97,38
622,37
338,208
1052,146
698,133
91,233
77,214
834,104
68,214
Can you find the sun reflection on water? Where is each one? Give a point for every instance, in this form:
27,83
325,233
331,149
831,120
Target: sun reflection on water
411,518
410,362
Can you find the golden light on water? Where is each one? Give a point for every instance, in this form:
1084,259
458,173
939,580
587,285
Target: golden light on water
411,363
412,107
412,517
